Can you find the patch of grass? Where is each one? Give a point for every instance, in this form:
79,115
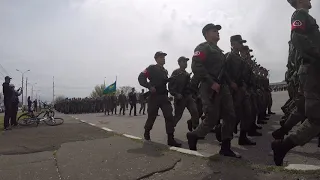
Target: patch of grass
2,119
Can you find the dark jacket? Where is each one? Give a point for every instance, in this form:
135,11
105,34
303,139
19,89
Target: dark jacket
7,93
133,98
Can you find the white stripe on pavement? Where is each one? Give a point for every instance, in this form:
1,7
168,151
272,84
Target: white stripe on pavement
92,124
187,151
107,129
302,167
83,121
132,137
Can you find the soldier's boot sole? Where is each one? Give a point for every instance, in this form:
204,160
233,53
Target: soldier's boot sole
192,141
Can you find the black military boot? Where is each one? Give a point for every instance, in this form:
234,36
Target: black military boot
189,123
244,140
279,133
226,149
218,132
172,141
147,135
280,149
192,141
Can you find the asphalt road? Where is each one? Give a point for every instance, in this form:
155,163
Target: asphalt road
260,154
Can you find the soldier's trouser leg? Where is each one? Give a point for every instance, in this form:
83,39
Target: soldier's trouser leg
298,115
238,97
192,107
310,128
269,96
211,107
247,120
153,108
167,110
199,107
179,106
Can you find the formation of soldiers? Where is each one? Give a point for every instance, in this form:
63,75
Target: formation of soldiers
107,104
231,87
231,90
302,77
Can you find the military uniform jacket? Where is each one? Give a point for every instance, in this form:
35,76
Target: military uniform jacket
179,83
305,34
122,99
234,67
157,76
207,62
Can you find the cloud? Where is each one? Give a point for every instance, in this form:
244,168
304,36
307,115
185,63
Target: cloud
81,42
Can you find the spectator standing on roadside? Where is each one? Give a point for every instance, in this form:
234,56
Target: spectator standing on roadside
7,93
15,104
29,104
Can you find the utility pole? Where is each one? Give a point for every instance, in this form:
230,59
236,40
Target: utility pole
22,75
27,88
53,91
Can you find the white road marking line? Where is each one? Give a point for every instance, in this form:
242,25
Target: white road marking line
82,121
132,137
76,118
302,167
187,151
92,124
107,129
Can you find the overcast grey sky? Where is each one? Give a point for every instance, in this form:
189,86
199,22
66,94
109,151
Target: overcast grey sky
82,41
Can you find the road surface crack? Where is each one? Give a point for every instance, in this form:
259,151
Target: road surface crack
160,171
56,164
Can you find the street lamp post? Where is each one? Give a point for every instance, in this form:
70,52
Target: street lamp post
32,85
22,76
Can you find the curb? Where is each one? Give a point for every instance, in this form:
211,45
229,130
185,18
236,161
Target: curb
180,150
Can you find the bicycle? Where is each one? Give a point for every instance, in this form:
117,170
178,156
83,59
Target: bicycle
29,118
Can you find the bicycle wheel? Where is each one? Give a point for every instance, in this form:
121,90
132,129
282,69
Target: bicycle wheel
53,121
26,120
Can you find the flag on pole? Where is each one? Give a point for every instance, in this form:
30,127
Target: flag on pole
111,88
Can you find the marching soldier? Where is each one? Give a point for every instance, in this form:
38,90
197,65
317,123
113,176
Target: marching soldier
142,102
158,98
208,65
241,99
305,36
122,101
179,87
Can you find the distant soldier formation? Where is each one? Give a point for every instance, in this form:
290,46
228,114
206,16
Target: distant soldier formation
107,104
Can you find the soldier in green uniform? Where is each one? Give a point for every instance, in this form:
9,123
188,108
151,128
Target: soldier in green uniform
179,87
158,98
208,65
122,102
305,36
249,84
241,99
142,102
